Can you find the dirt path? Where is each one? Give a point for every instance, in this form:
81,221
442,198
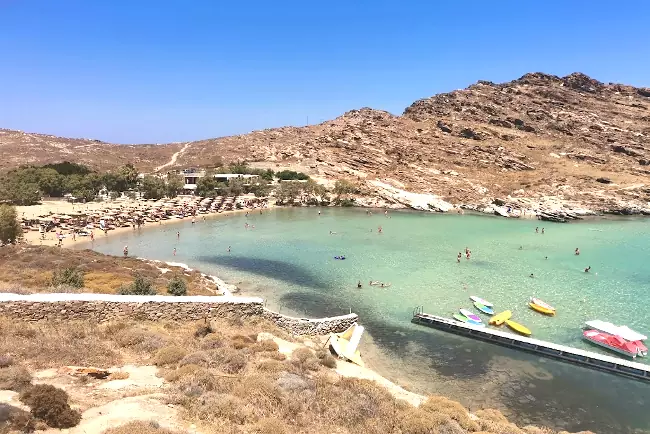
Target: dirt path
174,158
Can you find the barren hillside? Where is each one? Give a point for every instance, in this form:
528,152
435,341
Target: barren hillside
570,138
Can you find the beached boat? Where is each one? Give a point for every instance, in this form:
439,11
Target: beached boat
500,318
611,342
346,344
470,315
541,306
481,301
518,328
622,331
485,309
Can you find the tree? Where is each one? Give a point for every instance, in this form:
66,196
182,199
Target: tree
260,189
139,286
174,185
16,192
288,175
153,187
10,229
206,185
235,187
128,175
177,286
287,192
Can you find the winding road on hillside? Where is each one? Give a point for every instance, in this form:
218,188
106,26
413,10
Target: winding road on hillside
172,161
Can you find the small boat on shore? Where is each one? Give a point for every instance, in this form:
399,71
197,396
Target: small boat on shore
623,331
346,344
613,343
485,309
476,299
523,330
541,306
500,318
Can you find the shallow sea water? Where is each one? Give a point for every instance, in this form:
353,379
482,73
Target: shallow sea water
288,259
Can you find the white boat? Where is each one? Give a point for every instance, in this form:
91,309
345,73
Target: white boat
622,331
346,344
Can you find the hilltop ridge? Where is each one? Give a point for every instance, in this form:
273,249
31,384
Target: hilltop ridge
540,137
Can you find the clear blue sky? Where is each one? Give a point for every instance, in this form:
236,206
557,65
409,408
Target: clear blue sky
145,71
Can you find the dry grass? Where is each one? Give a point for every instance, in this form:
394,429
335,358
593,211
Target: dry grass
15,420
14,378
30,268
140,427
169,356
119,375
226,381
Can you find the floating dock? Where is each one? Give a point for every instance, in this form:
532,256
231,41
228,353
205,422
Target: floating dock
576,356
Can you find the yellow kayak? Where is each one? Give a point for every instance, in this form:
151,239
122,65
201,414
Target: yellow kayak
500,318
541,309
518,328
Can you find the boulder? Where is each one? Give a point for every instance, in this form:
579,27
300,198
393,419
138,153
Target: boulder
444,127
604,180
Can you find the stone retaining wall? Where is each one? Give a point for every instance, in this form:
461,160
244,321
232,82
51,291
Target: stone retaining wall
304,326
107,307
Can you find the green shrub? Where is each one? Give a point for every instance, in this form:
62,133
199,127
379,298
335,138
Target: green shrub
70,276
139,286
50,404
177,286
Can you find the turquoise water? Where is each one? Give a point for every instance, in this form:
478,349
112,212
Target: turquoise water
288,260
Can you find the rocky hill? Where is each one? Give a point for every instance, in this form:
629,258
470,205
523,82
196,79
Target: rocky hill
538,141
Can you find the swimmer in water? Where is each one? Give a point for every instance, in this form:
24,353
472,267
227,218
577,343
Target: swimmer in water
178,235
359,284
521,247
460,255
577,252
228,249
542,231
532,275
537,230
587,269
545,257
174,251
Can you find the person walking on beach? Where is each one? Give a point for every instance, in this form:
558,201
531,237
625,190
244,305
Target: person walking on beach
92,236
577,252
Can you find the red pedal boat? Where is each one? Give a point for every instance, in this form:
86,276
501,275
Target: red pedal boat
615,343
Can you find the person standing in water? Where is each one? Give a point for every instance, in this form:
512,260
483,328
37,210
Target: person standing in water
460,255
379,229
542,231
174,251
577,252
178,235
228,249
125,251
359,284
537,230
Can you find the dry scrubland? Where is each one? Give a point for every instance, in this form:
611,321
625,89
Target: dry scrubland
29,269
223,376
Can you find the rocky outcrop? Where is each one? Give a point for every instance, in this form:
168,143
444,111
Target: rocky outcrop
486,134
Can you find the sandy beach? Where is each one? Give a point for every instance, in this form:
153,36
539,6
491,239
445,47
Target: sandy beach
56,207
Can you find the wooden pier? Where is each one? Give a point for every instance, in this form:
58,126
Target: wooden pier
576,356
